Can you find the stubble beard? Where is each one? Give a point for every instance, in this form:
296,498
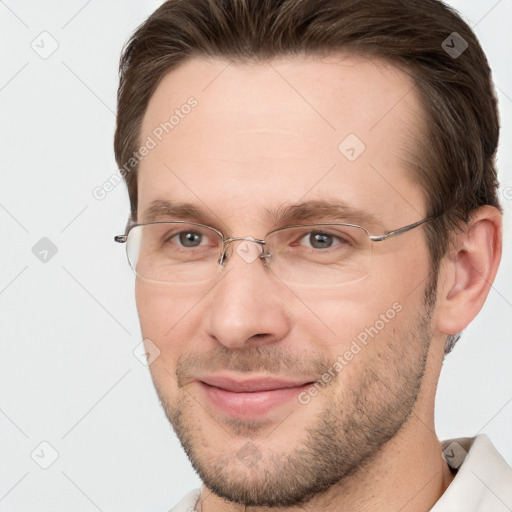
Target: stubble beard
345,437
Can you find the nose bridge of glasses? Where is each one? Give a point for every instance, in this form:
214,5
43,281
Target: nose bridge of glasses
247,247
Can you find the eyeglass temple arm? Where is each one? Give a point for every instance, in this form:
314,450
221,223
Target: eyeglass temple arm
380,238
123,238
374,238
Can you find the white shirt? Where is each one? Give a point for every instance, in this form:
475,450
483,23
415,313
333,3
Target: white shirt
483,482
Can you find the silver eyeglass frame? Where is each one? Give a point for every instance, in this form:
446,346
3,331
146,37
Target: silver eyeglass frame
264,255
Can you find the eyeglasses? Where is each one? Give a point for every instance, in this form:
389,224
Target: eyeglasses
178,252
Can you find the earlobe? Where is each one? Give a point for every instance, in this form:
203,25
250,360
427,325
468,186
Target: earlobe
469,271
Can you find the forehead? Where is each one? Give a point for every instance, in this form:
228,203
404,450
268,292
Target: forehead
237,137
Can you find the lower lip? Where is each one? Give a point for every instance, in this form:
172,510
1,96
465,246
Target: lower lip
250,404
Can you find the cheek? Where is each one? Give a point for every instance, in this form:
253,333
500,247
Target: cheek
346,309
168,317
359,318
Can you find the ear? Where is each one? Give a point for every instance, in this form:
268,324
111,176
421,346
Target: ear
467,273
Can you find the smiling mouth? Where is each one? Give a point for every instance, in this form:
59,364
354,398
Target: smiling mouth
250,398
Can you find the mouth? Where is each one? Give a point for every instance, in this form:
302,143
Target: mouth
250,398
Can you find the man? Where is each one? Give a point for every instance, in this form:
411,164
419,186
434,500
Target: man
314,220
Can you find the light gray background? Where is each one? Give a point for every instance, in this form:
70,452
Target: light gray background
68,375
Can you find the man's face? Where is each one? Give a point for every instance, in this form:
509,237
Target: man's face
264,138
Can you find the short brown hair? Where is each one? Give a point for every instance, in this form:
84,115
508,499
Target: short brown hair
455,162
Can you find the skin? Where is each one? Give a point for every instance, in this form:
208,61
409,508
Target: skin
263,136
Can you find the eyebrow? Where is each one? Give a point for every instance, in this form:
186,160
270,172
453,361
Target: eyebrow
161,209
322,211
318,211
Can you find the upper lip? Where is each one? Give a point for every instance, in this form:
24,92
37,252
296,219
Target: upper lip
251,384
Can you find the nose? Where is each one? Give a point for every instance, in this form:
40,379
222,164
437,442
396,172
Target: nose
247,251
247,304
